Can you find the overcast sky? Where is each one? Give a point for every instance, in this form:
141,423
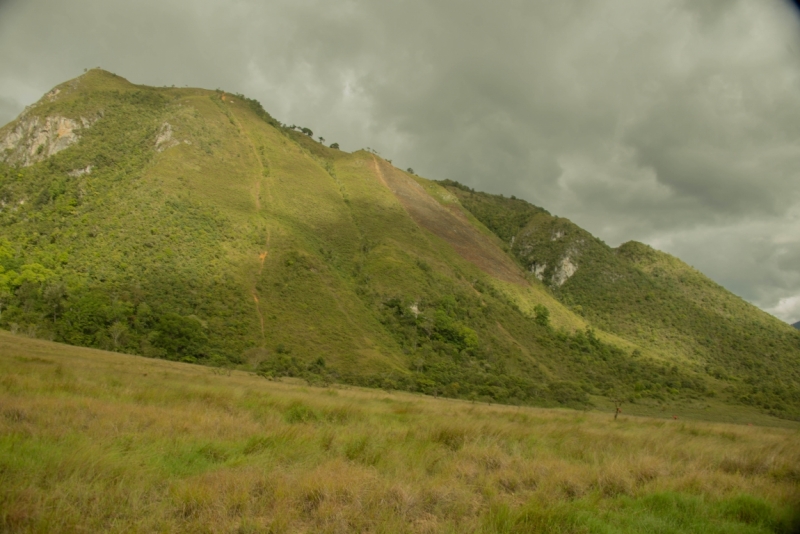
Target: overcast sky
672,122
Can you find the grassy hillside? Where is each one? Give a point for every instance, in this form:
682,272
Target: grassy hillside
99,441
651,299
190,225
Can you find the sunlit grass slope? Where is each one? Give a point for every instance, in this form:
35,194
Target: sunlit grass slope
189,225
98,441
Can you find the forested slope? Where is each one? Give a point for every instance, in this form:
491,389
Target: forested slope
652,299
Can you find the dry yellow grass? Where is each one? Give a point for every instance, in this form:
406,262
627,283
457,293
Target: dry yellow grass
95,441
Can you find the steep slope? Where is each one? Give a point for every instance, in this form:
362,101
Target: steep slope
189,224
651,299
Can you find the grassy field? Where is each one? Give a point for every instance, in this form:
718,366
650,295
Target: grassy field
97,441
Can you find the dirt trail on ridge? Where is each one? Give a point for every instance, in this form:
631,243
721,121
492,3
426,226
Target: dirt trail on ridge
245,132
258,311
262,256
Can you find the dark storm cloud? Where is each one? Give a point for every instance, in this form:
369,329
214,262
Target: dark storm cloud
674,122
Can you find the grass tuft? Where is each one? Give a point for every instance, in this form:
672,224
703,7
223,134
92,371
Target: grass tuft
451,437
297,412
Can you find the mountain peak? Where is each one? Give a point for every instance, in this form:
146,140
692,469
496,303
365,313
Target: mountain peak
188,224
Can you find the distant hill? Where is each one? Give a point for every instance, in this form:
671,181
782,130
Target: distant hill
644,295
797,325
191,225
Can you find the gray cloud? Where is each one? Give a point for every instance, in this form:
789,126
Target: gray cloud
674,122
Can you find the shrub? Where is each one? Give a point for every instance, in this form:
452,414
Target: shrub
182,337
542,315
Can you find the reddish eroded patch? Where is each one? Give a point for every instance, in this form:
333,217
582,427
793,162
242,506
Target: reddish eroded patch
452,226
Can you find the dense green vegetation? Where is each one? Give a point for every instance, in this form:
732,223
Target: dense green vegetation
105,259
654,299
190,225
502,215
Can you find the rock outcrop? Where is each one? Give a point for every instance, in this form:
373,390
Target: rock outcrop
34,139
164,138
564,271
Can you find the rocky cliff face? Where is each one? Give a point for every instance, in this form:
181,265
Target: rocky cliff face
34,139
550,248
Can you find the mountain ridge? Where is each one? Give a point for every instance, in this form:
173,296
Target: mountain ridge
189,224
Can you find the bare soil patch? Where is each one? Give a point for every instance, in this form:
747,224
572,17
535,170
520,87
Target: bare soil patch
451,226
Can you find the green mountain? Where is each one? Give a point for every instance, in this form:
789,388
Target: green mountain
191,225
